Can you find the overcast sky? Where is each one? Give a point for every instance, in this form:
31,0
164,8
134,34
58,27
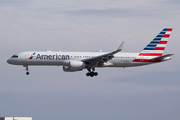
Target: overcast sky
139,93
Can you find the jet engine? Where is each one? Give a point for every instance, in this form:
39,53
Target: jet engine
74,66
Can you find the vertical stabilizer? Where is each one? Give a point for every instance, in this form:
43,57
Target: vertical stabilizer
157,46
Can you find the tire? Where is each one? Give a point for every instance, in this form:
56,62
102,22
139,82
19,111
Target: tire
87,74
95,73
91,74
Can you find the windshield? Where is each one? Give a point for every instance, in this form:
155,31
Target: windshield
14,56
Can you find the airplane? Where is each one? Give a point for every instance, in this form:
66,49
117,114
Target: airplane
77,61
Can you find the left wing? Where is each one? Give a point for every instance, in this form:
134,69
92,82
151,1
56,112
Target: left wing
94,61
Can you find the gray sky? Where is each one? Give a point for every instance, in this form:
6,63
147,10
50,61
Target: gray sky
139,93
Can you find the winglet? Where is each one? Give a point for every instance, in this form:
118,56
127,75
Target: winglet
121,46
119,49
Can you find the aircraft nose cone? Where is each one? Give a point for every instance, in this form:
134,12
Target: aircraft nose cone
9,61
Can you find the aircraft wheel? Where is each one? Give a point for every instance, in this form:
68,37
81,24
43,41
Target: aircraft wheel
95,73
27,73
91,74
87,74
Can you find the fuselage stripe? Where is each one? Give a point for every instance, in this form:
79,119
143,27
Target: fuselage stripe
150,54
145,60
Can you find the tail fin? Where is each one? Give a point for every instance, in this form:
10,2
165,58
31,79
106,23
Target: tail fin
157,46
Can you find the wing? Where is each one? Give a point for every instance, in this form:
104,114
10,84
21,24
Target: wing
99,60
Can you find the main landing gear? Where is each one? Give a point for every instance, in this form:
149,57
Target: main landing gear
91,73
27,73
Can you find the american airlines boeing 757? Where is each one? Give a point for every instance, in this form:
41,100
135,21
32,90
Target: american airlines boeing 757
77,61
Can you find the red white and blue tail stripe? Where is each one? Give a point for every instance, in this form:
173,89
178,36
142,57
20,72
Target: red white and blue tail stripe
155,48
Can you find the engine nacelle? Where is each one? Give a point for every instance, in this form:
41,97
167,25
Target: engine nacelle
74,66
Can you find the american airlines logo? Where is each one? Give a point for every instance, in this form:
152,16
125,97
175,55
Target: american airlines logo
31,57
53,57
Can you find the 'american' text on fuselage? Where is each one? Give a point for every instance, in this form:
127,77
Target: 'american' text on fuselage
53,57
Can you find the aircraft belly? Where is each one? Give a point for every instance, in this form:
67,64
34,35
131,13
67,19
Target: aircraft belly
46,62
122,63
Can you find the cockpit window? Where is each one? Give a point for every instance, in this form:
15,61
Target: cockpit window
14,56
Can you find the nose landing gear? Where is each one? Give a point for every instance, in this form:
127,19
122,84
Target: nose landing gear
27,73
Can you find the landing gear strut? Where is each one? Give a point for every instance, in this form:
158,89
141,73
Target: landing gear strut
27,73
91,73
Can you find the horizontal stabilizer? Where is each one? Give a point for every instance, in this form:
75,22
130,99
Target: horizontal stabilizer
161,57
